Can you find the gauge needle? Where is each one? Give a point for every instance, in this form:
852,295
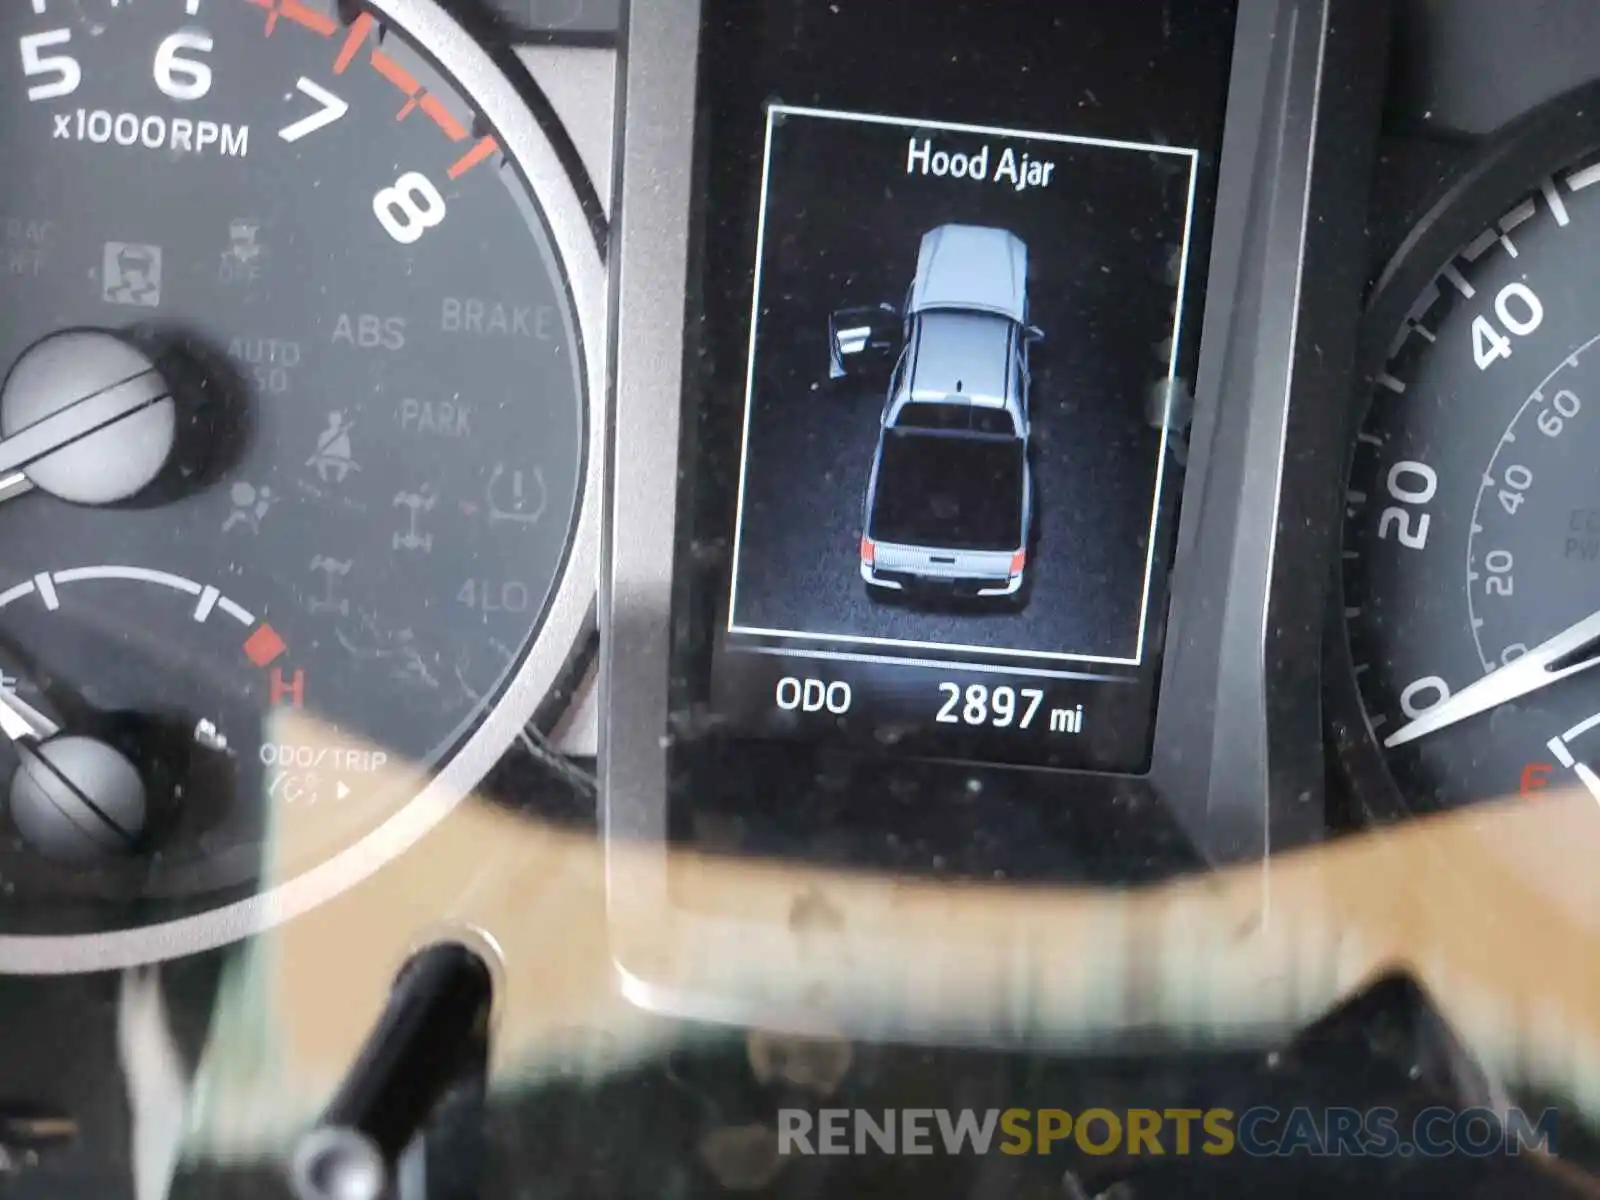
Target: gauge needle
21,722
75,799
1572,650
14,485
81,418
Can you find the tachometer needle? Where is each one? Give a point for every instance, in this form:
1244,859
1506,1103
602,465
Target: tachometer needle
80,418
21,722
88,418
1574,649
14,485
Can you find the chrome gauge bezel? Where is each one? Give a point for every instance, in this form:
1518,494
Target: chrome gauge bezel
569,617
1495,178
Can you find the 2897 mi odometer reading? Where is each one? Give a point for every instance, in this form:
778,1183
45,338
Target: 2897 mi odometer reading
1472,542
974,704
293,419
1004,707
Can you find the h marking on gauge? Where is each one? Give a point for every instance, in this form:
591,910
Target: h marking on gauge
291,689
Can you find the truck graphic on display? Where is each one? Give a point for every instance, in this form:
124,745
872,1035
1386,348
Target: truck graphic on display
949,509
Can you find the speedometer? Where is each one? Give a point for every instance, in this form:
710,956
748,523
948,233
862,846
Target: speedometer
1471,572
298,321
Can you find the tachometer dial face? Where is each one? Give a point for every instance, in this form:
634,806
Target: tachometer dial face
293,307
1471,570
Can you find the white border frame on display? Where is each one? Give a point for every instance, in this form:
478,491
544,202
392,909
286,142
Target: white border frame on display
777,111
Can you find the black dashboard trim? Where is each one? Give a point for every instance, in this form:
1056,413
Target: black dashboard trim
1228,765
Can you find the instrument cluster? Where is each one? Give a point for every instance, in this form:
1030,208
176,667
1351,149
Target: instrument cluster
1018,459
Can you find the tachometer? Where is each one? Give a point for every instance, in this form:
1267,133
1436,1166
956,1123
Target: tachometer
1471,572
298,321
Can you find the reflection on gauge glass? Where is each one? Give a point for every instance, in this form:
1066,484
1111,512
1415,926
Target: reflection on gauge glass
293,419
1471,570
